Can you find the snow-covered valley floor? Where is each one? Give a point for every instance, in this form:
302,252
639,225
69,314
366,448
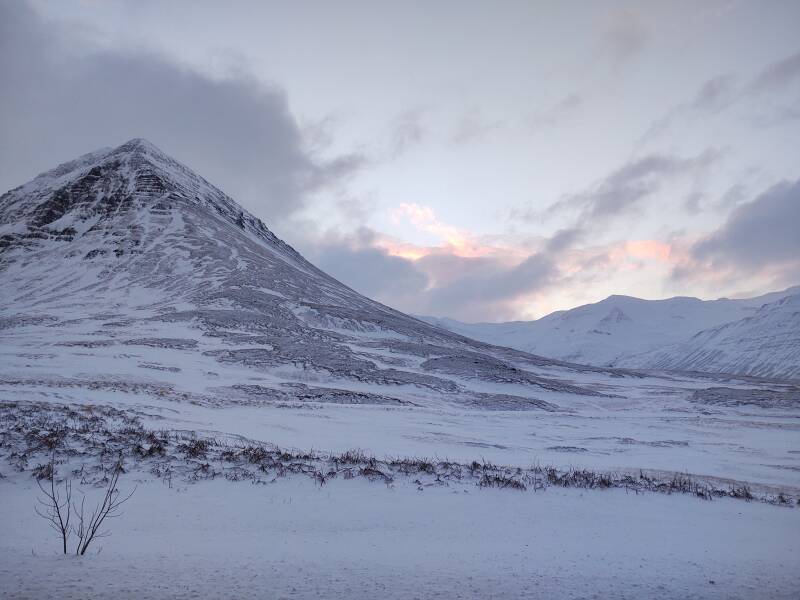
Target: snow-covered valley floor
276,534
356,539
292,537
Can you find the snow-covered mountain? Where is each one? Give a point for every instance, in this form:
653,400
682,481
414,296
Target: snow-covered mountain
765,344
631,332
125,264
146,318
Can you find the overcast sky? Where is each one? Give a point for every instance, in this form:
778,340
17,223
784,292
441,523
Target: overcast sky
479,160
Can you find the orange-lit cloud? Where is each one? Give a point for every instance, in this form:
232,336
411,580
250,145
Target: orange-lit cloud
504,277
453,240
634,254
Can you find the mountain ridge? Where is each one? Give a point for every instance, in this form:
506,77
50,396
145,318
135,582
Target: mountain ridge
128,244
765,344
618,329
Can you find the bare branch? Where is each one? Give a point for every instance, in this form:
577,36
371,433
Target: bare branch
55,510
90,529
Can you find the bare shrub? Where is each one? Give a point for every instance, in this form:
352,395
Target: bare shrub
502,482
743,492
55,508
195,448
89,526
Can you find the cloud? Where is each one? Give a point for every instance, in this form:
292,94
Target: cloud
61,97
625,36
777,76
432,280
756,248
761,233
368,268
723,91
564,239
481,288
713,96
561,110
625,188
473,126
473,282
507,280
408,131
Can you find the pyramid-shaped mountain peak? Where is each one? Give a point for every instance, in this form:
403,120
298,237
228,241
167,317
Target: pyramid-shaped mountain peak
132,241
119,191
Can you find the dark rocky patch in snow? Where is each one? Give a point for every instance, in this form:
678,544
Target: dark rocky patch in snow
303,393
789,397
171,343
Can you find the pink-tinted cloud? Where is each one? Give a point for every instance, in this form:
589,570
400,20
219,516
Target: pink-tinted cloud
452,239
474,278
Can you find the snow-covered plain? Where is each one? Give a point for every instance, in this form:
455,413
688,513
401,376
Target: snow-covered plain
355,539
133,287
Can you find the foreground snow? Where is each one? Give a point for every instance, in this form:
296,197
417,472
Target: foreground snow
356,539
227,523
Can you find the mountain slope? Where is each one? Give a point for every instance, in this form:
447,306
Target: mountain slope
765,344
614,331
127,258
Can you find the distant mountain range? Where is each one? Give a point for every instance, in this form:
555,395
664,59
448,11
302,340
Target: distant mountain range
755,336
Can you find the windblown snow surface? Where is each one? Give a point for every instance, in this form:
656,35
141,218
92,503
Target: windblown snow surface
289,438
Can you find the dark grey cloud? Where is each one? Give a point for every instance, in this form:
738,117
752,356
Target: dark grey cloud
735,194
408,130
441,283
368,269
60,98
473,126
625,36
781,115
694,202
564,239
482,288
723,91
628,186
714,95
561,110
698,201
777,76
761,233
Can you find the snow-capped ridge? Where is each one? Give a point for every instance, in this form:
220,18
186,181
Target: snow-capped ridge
624,331
766,344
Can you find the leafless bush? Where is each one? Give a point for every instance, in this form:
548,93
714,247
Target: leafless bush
55,508
195,448
502,482
742,492
374,474
89,526
351,457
